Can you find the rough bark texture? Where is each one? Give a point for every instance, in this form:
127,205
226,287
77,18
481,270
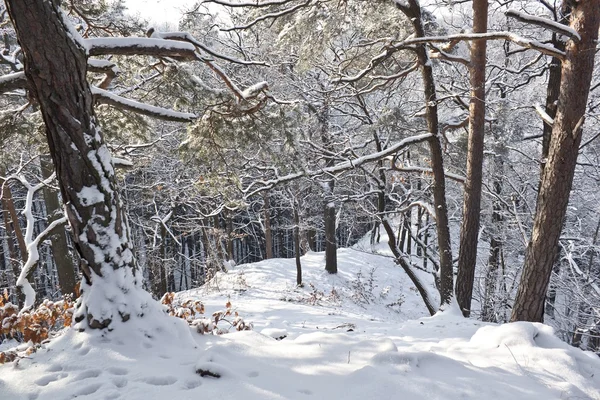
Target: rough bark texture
469,230
557,177
55,66
65,266
413,11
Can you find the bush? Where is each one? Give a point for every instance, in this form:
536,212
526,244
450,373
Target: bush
190,311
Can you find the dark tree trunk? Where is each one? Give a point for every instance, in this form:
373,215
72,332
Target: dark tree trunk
330,239
553,90
413,12
11,221
311,238
297,245
407,268
557,178
469,232
55,66
268,230
229,232
65,266
12,251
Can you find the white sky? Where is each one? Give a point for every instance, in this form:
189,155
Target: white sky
158,12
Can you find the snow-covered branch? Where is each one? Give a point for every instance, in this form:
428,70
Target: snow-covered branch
258,186
32,243
136,46
449,175
272,15
104,97
185,36
521,41
542,113
554,26
249,3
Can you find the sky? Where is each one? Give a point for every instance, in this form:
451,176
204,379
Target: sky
159,11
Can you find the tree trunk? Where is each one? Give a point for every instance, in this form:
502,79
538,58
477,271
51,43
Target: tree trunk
413,12
11,221
469,231
14,262
229,232
557,178
488,313
268,230
297,245
330,239
65,266
55,66
407,268
552,91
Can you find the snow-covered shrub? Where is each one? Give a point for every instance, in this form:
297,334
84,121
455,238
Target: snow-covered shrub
363,287
191,310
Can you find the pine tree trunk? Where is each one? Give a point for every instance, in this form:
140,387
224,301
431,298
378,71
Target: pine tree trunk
55,66
557,178
469,232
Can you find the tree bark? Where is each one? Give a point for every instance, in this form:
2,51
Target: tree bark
55,66
557,178
469,231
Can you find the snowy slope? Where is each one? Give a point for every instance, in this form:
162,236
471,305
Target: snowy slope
360,342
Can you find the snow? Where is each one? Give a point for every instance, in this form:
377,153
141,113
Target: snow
343,340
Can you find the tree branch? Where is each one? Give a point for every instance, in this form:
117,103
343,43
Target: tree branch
554,26
104,97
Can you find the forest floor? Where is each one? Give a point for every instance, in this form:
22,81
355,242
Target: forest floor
363,334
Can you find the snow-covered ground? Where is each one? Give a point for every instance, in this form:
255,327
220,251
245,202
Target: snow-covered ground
363,334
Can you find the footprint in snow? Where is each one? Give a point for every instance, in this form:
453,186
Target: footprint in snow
253,374
117,371
305,391
119,382
192,384
45,380
87,390
91,373
55,368
160,380
84,351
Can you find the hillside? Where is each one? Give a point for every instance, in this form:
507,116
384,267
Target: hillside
363,334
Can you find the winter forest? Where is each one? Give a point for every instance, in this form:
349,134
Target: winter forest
413,186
